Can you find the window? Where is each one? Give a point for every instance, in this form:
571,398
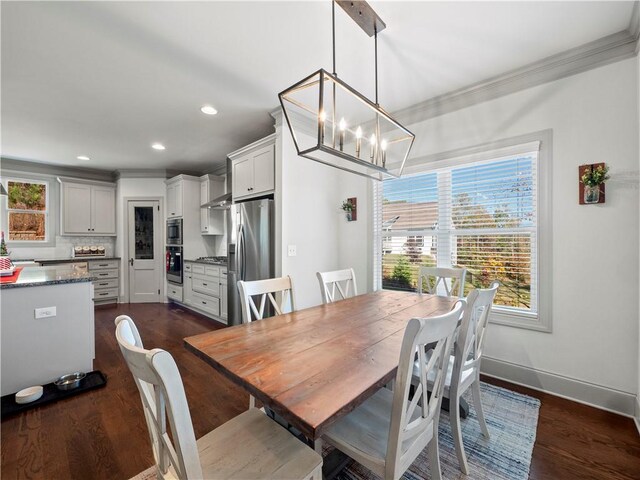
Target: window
27,210
479,214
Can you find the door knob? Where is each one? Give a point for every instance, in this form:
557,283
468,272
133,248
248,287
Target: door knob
131,261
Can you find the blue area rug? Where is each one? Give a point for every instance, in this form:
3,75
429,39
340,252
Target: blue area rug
512,420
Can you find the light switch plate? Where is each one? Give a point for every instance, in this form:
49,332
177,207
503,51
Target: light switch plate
292,251
45,312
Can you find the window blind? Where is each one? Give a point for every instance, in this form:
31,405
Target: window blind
480,215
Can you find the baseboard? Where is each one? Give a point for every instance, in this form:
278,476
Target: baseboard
636,418
597,396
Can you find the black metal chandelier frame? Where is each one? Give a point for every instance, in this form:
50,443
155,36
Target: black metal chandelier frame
369,21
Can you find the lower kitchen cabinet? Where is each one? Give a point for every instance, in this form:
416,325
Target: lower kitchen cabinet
204,290
105,273
223,296
106,286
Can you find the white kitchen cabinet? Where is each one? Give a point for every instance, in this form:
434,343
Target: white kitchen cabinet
211,220
174,198
103,211
187,287
87,208
204,290
223,295
254,169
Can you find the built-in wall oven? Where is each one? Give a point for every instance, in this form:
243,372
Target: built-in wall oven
174,231
174,264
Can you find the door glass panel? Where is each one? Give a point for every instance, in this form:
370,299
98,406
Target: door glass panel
144,233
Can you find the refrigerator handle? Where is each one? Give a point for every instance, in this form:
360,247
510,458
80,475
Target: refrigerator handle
240,253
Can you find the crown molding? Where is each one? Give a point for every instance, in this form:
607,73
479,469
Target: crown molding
140,173
609,49
252,146
24,166
634,24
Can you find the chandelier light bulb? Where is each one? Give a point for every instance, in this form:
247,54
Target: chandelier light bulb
359,133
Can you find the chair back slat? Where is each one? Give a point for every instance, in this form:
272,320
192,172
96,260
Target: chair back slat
414,418
442,281
162,393
266,291
470,341
344,281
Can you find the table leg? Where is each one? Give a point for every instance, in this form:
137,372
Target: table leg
464,407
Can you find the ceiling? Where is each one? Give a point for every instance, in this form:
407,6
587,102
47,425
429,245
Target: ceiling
108,79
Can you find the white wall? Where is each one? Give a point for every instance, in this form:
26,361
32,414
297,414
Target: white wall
594,117
638,391
135,188
308,209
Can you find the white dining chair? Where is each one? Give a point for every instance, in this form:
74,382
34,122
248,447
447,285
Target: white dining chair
267,291
337,285
464,367
248,446
389,430
436,280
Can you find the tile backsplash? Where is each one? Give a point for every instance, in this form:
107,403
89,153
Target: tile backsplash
63,248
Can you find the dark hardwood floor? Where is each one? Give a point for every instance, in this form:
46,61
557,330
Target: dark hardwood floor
102,434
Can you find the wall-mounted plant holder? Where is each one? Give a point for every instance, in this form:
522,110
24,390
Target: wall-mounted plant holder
590,195
350,208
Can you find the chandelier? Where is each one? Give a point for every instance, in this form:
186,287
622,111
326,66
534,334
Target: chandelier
334,124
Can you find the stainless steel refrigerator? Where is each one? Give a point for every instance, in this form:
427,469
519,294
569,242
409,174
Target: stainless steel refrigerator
250,249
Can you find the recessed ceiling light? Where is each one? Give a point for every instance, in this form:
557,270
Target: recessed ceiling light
157,146
83,157
208,109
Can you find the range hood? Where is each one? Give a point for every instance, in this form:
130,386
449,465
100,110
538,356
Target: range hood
223,202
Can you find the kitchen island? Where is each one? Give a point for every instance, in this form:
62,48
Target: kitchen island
46,326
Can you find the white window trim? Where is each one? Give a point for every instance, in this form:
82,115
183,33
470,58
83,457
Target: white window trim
541,141
48,237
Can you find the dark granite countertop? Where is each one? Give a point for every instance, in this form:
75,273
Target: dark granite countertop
51,261
52,275
205,262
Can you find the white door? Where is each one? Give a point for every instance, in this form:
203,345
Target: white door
103,210
77,208
144,248
204,212
171,200
263,170
243,177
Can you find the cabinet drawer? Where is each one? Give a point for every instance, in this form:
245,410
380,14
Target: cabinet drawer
99,274
212,271
99,265
106,283
196,268
174,292
206,285
107,293
208,304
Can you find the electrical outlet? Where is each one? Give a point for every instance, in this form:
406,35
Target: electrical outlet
292,251
45,312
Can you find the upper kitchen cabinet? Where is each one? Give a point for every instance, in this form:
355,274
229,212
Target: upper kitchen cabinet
87,208
253,169
211,220
174,197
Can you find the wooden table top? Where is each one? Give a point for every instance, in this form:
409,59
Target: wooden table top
315,365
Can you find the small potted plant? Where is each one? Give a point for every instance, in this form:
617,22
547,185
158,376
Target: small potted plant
348,208
592,178
6,265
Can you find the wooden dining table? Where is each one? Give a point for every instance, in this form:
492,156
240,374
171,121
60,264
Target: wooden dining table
315,365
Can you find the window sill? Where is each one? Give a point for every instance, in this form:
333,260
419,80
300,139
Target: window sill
519,319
